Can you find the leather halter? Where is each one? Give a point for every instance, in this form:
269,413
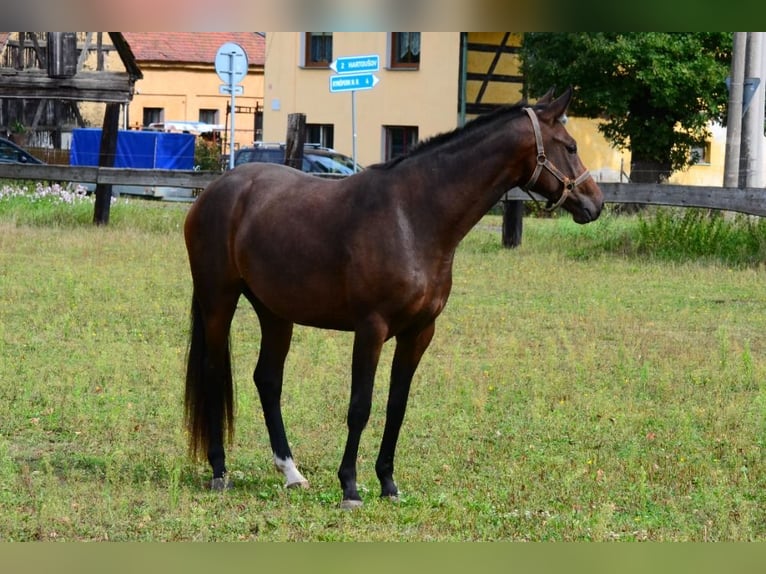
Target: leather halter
543,162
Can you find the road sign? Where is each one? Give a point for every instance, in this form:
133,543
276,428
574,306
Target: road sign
354,73
227,89
231,63
356,64
231,67
748,90
353,82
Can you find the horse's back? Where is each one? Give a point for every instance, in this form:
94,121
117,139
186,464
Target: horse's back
259,179
251,187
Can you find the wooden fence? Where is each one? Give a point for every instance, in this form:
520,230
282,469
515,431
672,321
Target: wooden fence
109,175
750,200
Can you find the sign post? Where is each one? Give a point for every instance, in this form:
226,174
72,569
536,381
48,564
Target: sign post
354,73
231,67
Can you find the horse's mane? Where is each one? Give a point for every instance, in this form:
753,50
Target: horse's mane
440,139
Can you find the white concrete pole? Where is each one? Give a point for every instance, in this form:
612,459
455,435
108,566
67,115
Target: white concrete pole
750,174
734,118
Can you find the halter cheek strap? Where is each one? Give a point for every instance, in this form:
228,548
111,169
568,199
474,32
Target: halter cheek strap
543,162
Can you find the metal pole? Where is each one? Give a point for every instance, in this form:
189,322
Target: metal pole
463,76
233,114
353,127
734,118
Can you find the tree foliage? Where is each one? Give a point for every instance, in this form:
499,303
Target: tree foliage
654,92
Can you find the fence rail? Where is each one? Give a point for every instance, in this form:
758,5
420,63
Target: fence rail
109,175
749,200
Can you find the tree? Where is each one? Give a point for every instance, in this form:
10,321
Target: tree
656,93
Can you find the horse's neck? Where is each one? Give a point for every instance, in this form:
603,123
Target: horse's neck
457,194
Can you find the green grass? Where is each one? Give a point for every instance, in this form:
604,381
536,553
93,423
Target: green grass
577,388
666,234
42,205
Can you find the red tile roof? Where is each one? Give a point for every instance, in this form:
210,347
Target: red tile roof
192,47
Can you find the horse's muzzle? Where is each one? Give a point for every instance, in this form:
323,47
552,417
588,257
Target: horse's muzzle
589,211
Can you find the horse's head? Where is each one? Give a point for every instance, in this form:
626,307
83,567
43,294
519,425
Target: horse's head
558,174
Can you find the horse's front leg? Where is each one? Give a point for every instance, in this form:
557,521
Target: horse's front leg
410,347
368,342
276,335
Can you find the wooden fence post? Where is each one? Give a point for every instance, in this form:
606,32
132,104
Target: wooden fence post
513,222
107,153
296,137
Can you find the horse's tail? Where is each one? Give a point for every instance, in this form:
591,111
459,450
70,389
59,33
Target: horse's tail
209,398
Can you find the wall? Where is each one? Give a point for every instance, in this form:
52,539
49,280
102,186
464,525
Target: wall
183,91
507,64
426,98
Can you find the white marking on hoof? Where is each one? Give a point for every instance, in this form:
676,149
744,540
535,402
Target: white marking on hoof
220,484
351,504
294,479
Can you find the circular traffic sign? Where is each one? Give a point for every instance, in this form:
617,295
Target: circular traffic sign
231,63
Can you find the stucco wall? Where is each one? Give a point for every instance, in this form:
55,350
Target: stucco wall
426,98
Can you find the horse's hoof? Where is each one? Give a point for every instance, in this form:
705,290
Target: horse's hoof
220,484
301,484
350,504
393,498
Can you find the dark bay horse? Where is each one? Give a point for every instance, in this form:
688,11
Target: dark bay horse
371,253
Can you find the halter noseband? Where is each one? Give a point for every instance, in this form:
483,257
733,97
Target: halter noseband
543,162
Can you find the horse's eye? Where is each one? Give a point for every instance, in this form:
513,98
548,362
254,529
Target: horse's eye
572,148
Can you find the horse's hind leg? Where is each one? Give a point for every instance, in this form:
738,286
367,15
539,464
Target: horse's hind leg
276,335
209,387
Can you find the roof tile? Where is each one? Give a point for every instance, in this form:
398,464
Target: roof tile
192,47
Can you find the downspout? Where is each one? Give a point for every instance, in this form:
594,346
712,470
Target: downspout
463,77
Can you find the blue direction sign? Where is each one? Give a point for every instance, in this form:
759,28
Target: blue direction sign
356,64
353,82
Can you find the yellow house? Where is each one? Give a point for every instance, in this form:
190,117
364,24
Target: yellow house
180,83
415,97
429,82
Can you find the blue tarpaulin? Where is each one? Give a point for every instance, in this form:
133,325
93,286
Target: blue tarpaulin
136,149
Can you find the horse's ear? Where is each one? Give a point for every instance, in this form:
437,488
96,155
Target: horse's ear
557,107
546,97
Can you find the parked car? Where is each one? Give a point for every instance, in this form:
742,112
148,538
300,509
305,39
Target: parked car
317,159
11,153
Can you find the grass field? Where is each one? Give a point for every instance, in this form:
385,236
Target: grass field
576,389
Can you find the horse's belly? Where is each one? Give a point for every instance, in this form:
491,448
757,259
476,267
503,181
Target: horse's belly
299,303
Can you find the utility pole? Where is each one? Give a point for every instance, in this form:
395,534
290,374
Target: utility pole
734,118
750,163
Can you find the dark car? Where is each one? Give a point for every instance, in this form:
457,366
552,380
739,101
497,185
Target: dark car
317,159
11,153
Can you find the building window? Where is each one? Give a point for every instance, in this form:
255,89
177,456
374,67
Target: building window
700,155
153,115
322,134
318,53
399,140
405,50
208,116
